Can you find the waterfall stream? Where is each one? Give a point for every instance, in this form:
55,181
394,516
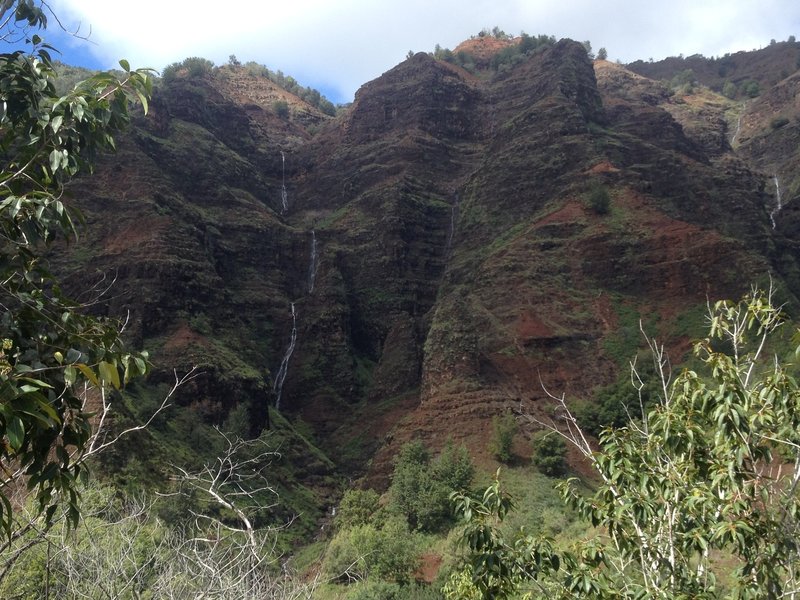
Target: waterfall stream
453,219
312,267
738,124
778,206
277,386
284,195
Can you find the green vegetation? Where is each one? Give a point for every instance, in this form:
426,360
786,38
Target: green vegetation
684,82
421,487
549,453
505,58
387,550
599,200
281,108
691,499
51,350
195,67
751,89
504,428
357,508
729,90
778,122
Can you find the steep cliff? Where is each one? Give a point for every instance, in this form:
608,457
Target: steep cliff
434,248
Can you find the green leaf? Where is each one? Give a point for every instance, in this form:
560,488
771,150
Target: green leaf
55,124
55,160
109,373
15,433
70,375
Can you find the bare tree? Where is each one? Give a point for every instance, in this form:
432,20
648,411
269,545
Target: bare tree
31,527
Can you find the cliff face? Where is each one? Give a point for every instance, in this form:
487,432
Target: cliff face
437,255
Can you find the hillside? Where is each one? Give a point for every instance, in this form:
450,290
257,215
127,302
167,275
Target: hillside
438,259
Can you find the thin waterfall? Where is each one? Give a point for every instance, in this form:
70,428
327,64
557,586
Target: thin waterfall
277,386
312,268
738,124
453,220
778,205
284,195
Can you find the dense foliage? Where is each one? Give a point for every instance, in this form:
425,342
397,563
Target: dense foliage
55,354
711,471
421,487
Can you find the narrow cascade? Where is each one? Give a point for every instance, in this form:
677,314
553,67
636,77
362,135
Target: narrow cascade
277,386
284,196
312,268
778,205
453,219
738,125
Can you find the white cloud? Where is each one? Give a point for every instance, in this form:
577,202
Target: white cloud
337,46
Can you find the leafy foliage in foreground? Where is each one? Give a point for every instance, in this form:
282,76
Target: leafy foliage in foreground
53,351
712,470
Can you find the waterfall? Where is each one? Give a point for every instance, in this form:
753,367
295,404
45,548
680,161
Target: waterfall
284,197
277,386
453,220
778,205
738,124
312,268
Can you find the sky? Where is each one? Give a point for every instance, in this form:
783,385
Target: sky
337,46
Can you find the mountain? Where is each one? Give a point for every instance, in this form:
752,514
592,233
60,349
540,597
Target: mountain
436,254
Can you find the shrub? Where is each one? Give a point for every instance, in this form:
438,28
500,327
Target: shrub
388,552
357,508
504,428
751,89
420,489
729,90
281,108
384,590
454,467
778,122
599,199
549,453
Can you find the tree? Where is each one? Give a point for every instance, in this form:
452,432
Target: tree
711,470
504,428
281,108
751,89
54,353
602,54
421,488
729,90
599,199
122,550
549,454
357,508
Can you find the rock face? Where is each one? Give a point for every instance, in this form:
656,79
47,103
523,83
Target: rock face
439,242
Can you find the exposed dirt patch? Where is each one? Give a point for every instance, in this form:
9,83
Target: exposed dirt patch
429,567
183,337
572,211
603,167
483,48
141,232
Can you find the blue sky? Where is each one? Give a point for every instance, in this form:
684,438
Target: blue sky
338,46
